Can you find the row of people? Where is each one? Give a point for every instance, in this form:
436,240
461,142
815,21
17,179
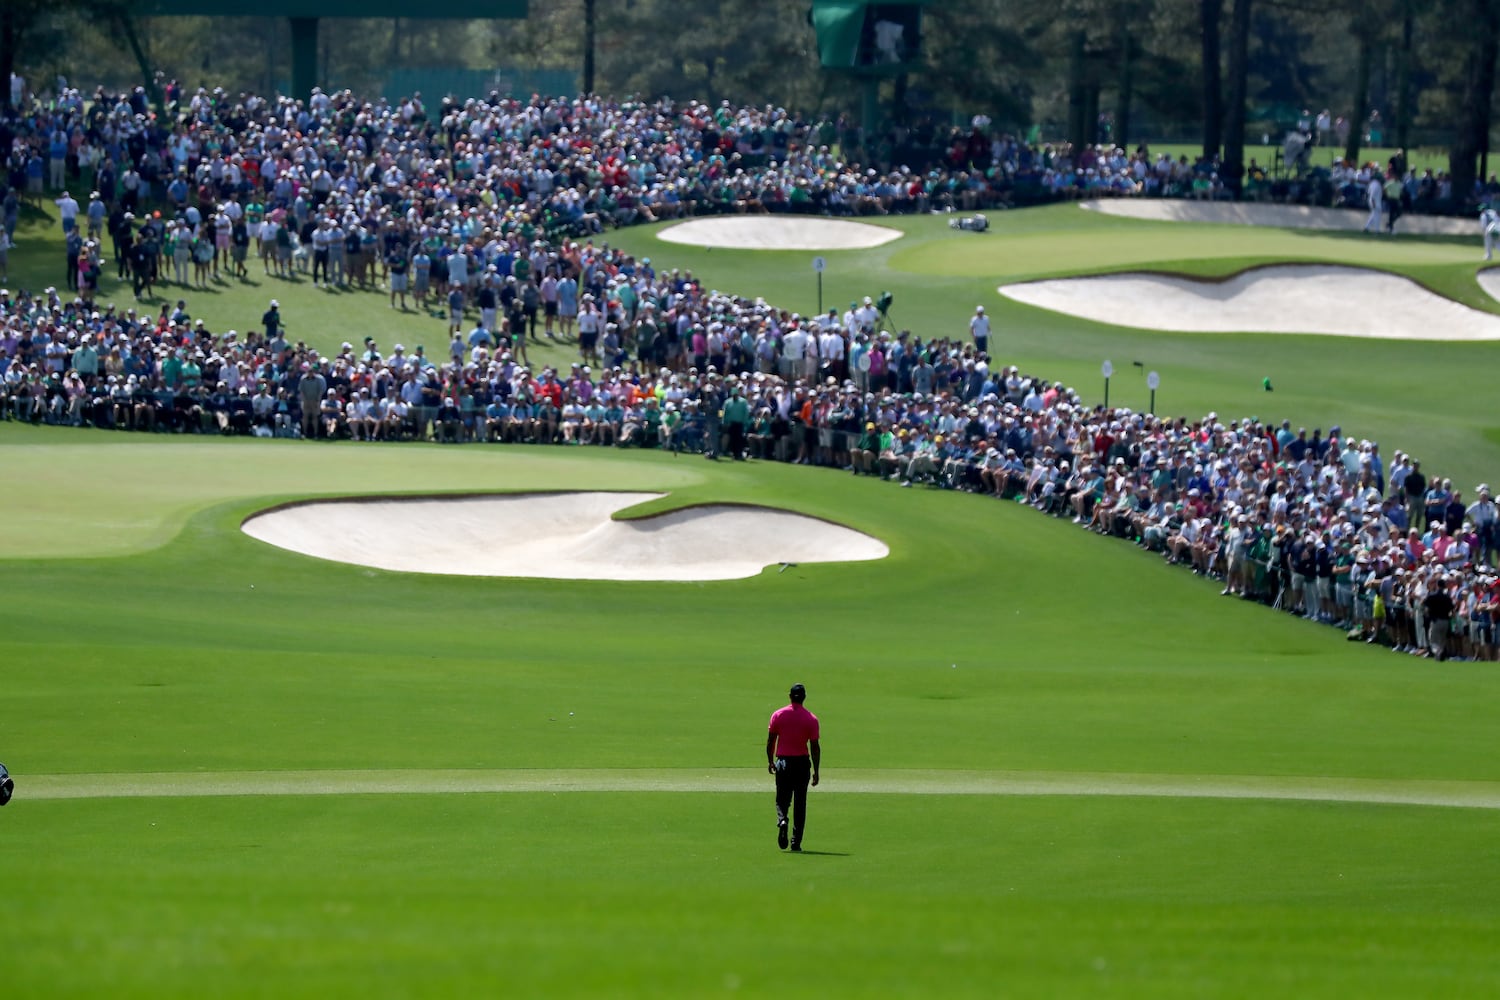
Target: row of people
1318,525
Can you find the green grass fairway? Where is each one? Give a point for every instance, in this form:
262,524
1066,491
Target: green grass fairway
665,894
574,803
1052,765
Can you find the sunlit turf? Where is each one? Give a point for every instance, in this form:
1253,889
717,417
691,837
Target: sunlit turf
990,639
661,894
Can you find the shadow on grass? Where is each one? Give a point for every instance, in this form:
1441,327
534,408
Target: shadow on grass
824,854
1360,235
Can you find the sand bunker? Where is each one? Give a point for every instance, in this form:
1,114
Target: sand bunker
1247,213
1489,280
564,536
1339,301
778,232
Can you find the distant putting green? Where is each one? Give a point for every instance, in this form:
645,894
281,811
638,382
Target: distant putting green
1053,766
1216,249
1427,398
150,501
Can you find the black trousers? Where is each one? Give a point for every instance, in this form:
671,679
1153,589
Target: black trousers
792,777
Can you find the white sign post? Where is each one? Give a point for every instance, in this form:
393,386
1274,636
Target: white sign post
820,264
1108,370
1153,381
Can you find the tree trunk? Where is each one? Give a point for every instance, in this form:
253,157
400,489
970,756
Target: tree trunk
270,84
1482,98
1403,82
1233,171
9,36
1077,97
589,25
126,24
1360,101
1209,14
1471,140
1125,84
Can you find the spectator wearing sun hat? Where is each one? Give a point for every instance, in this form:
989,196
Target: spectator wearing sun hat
96,213
1486,520
311,389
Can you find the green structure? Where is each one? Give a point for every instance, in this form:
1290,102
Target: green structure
868,40
304,18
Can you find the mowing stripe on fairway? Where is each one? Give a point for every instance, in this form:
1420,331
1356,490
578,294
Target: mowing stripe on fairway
1463,794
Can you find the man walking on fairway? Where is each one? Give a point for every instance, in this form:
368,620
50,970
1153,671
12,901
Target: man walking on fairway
793,756
1375,197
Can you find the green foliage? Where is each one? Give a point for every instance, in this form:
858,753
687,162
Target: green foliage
1009,61
980,63
714,50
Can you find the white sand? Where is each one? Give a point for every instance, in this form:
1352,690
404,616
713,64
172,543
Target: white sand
1489,280
564,536
1248,213
1340,301
778,232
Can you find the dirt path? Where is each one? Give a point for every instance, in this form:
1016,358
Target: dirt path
1462,794
1246,213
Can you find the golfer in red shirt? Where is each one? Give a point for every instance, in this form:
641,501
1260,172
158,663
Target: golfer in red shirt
792,755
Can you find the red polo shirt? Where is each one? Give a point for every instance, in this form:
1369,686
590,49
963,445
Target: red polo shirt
793,726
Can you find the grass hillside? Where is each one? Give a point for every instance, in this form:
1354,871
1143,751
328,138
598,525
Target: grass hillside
1053,766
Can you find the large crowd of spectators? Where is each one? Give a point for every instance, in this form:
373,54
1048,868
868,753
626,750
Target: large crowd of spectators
494,210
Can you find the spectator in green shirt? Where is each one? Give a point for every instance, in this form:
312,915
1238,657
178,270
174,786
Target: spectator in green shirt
736,421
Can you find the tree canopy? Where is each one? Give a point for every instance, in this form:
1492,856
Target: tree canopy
1217,72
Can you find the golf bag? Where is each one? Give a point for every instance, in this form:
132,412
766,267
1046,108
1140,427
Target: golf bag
7,786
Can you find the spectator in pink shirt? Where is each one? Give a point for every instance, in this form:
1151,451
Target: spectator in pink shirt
793,756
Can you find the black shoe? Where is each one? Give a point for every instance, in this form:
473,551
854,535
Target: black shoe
781,834
797,848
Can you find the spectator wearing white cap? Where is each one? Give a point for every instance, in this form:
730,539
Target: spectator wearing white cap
67,211
979,330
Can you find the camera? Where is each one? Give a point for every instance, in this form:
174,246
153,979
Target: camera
7,786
